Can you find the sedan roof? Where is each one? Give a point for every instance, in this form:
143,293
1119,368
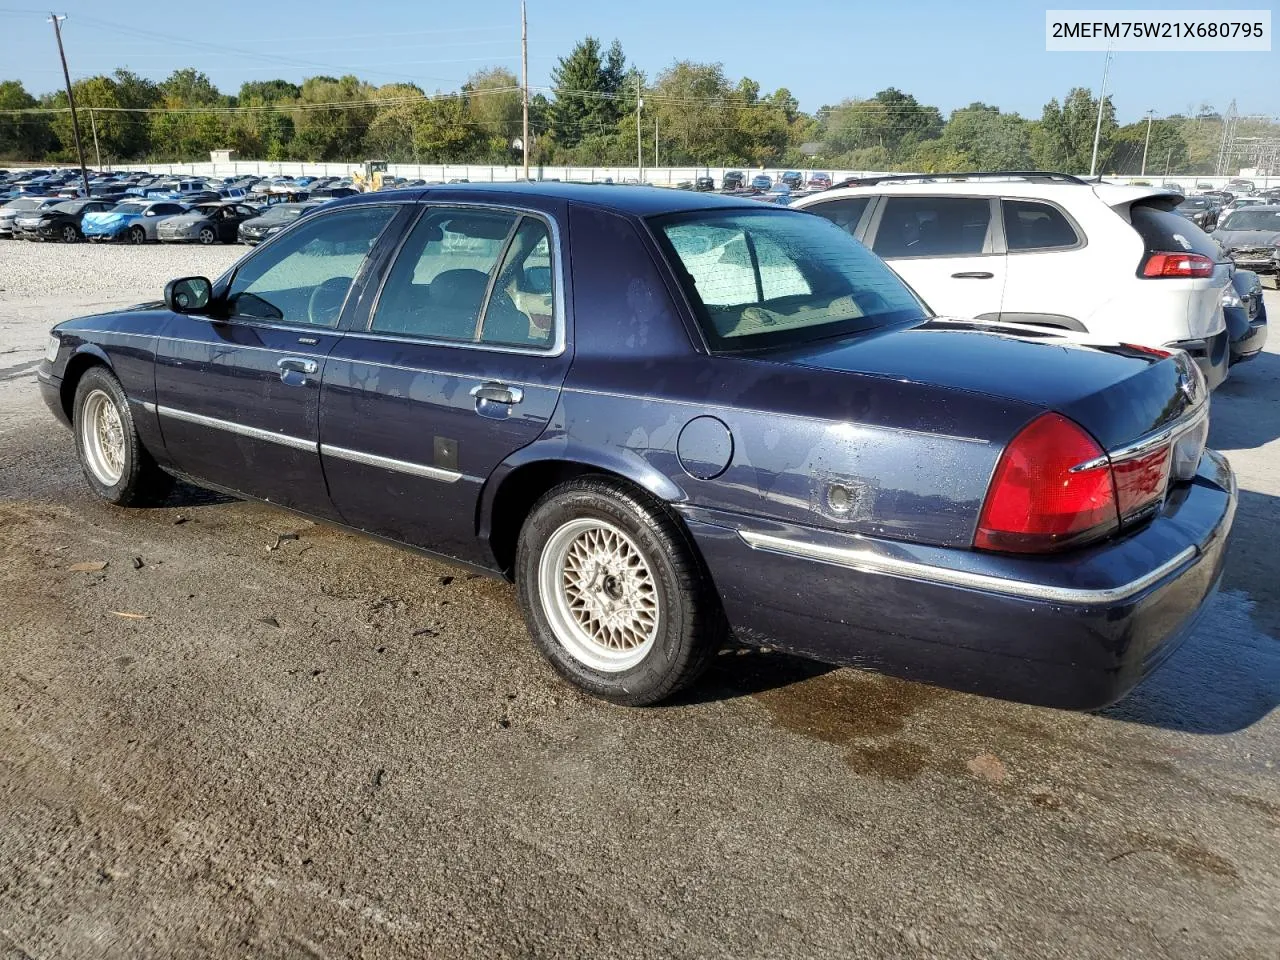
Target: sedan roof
637,201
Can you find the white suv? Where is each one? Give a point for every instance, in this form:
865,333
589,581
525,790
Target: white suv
1108,262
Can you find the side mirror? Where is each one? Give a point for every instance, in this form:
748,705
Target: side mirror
188,295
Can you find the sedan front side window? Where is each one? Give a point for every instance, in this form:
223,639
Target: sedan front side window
303,278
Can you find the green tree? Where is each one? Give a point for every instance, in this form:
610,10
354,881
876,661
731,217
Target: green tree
23,136
1168,149
980,137
891,119
390,135
326,127
585,85
493,108
269,91
1065,136
442,133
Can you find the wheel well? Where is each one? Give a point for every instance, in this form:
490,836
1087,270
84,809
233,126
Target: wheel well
76,368
524,487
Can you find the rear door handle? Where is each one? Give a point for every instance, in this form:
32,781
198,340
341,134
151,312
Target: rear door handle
973,275
295,370
497,393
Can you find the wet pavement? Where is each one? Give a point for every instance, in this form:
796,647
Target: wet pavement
231,743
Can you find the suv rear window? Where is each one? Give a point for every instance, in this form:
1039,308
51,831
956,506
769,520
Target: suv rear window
1164,231
765,280
933,227
1029,225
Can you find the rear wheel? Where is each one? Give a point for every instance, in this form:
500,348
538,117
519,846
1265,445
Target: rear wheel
137,235
115,463
614,593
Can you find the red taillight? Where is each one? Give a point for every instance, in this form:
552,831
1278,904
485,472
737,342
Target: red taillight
1052,487
1177,265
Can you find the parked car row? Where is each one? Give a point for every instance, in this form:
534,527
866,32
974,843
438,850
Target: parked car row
147,219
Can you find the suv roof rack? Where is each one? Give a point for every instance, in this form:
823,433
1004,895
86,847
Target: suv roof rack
1043,175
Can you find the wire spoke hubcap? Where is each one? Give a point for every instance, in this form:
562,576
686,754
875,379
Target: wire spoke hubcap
102,436
599,595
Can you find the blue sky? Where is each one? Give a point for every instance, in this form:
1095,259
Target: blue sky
945,53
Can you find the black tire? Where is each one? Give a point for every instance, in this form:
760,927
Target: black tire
137,235
70,234
691,625
207,236
141,480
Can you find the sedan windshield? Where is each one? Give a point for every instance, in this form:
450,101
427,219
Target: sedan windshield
128,208
1252,220
763,280
1193,203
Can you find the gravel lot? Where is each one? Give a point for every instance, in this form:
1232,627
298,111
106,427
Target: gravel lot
324,747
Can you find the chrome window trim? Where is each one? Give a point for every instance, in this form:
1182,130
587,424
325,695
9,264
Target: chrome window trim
390,463
230,426
559,340
868,561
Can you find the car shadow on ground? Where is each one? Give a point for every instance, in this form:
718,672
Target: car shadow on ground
1237,425
186,494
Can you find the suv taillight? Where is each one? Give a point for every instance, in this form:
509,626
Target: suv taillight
1177,265
1054,487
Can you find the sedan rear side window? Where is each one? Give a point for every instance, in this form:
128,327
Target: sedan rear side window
436,289
933,227
1029,225
762,280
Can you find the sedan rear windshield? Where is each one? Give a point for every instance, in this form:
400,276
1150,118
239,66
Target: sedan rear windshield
767,280
1252,220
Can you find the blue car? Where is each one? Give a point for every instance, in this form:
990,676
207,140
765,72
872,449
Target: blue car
132,221
671,416
761,181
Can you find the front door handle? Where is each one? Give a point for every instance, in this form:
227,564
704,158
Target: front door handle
497,393
973,275
295,370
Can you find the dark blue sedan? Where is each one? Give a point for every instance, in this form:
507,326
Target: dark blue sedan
668,417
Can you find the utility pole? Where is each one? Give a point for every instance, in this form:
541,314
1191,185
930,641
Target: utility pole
655,139
524,85
1147,145
71,100
1102,102
96,152
639,145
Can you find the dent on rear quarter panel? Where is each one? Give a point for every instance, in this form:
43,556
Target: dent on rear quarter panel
916,458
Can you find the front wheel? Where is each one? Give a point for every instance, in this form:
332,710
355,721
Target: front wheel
615,594
207,235
115,463
70,234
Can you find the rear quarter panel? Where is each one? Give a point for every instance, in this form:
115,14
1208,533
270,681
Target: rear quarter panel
916,458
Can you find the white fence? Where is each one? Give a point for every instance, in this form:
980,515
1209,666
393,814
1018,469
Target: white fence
658,176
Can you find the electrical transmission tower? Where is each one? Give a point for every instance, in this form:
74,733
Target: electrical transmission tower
1226,146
